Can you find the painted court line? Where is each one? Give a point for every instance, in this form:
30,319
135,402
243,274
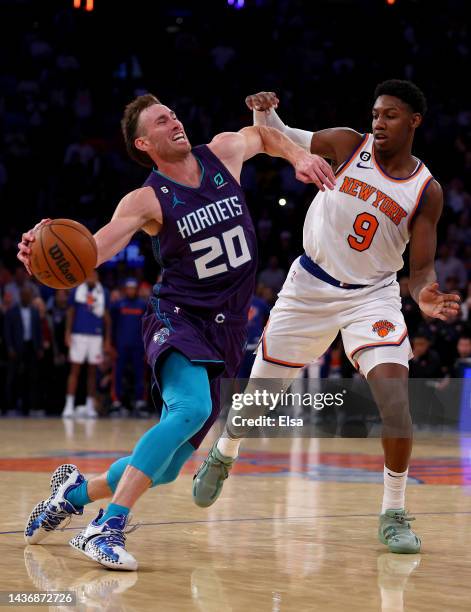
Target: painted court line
260,519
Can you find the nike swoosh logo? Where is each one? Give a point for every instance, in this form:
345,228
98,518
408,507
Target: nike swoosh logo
364,167
392,476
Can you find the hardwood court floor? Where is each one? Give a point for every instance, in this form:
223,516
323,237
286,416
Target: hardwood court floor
295,528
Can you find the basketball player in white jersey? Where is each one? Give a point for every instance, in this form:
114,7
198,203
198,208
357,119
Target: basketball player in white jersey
354,238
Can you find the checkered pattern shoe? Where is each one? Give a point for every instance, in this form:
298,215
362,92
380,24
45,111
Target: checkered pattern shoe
105,543
50,513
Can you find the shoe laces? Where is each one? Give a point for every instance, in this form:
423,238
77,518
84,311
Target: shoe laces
402,518
225,466
53,519
211,460
117,537
225,471
217,462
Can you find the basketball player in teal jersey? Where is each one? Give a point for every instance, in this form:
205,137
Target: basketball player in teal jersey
194,329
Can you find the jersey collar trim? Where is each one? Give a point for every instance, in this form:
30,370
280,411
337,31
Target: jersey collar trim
396,179
167,178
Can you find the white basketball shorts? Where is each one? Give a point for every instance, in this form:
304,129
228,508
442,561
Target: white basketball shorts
309,313
86,347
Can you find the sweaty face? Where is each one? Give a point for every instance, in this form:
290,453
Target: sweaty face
161,134
393,123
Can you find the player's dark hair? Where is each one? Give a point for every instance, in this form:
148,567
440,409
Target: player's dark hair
406,91
129,124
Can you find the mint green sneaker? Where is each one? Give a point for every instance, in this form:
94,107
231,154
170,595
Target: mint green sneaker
394,531
209,479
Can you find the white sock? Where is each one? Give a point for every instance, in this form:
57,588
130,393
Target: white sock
90,403
394,489
228,447
69,401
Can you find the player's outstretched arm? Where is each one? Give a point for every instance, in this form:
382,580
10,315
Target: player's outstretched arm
233,148
335,144
138,210
423,284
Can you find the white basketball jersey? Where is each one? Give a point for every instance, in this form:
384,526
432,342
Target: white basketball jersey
358,231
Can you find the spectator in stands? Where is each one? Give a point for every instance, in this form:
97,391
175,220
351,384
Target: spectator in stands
426,362
452,285
456,196
47,377
104,383
286,253
19,281
126,317
464,347
463,361
22,332
57,316
273,276
447,265
88,334
267,294
444,337
409,307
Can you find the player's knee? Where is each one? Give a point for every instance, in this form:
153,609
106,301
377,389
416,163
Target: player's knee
396,417
194,408
201,408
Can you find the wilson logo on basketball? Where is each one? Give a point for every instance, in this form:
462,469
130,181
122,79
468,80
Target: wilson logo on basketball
61,262
382,328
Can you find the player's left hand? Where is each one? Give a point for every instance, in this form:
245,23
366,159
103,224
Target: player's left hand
24,247
434,303
314,169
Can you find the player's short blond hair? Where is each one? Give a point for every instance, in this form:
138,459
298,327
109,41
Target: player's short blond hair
129,125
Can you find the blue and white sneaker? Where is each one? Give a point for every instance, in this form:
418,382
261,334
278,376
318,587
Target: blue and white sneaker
105,543
50,513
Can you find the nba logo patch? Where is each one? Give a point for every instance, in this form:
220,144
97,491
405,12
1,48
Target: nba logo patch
382,328
161,336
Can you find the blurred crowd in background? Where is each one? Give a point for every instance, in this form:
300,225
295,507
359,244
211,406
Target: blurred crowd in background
62,93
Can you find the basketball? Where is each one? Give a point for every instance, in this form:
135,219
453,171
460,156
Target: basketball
63,254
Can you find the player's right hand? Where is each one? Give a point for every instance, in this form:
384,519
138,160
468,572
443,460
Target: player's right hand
314,169
24,247
262,101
